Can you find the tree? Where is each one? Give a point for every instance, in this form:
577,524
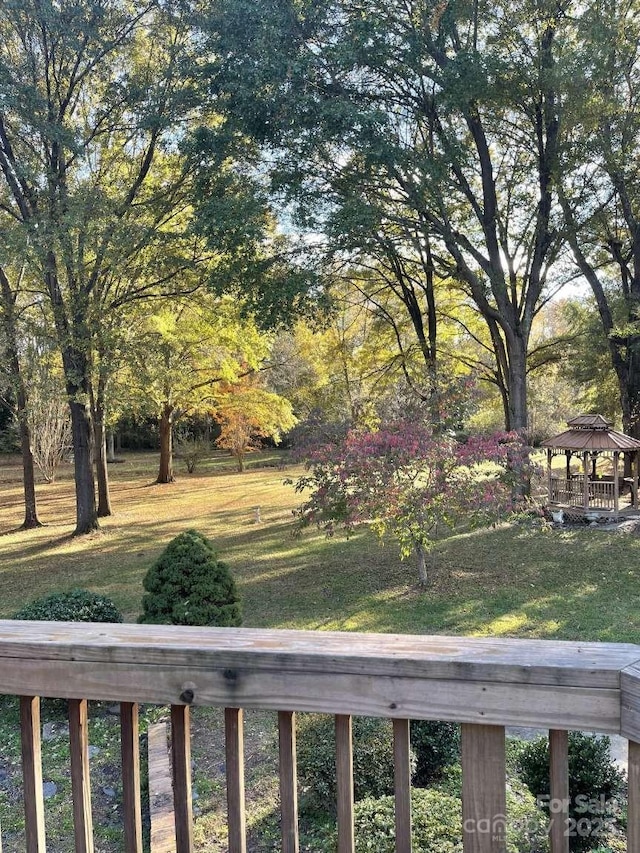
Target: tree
92,100
600,194
343,369
410,484
587,366
426,134
48,414
9,315
247,414
183,355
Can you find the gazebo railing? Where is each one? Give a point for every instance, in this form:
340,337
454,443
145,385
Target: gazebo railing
571,492
568,492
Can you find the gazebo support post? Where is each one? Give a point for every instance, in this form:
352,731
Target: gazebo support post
616,483
549,490
585,470
568,454
635,479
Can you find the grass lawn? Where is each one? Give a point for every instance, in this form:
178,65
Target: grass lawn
511,581
515,580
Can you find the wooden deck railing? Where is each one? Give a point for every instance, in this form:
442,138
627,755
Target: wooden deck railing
485,684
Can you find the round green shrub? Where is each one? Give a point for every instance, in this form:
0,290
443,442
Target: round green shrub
188,585
437,823
436,745
592,778
79,605
372,760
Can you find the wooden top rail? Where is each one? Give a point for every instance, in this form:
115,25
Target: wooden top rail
477,680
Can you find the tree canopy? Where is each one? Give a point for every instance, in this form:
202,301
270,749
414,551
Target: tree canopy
429,176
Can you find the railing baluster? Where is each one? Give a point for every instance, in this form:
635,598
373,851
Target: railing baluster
288,781
80,781
559,790
181,770
32,774
234,749
344,783
483,789
130,751
633,806
402,784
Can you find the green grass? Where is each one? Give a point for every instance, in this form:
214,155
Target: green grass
514,580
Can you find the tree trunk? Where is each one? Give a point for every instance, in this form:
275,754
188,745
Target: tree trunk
624,350
111,446
31,519
13,359
422,565
100,439
627,366
165,473
82,432
517,349
75,347
518,415
104,499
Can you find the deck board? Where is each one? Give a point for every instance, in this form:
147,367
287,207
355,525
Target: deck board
412,656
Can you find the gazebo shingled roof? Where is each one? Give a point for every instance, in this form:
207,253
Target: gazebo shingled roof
591,432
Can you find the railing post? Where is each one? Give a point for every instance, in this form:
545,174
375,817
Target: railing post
633,806
181,761
559,790
483,789
130,751
234,750
32,775
80,781
288,782
402,784
344,783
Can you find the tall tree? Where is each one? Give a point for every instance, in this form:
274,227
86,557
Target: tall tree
92,96
9,321
441,121
600,187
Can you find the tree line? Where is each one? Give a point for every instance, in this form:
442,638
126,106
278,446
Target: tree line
178,179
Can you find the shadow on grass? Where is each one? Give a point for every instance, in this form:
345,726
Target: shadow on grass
39,547
510,581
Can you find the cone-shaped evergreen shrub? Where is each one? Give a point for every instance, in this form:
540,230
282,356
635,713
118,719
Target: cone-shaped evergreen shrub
187,585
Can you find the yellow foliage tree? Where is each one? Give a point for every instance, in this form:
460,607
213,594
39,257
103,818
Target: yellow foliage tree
248,413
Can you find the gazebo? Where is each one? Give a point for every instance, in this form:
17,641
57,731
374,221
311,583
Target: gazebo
587,438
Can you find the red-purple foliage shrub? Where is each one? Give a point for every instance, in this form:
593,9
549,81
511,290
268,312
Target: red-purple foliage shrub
409,483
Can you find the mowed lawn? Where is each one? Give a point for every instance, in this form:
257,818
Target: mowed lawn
515,580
